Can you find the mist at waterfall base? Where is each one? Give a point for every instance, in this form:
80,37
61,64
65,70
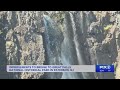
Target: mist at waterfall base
63,48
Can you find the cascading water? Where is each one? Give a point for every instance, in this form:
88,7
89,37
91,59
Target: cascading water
68,50
52,42
65,52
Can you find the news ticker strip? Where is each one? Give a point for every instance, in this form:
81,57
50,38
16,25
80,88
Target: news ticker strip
60,68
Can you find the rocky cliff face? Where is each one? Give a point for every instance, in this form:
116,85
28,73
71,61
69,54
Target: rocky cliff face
23,42
59,38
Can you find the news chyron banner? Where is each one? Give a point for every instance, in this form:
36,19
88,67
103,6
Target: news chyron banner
60,68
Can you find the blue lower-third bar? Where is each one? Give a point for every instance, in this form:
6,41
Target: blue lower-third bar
104,68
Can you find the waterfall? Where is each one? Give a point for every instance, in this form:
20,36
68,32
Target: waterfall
79,57
69,47
70,53
46,38
52,39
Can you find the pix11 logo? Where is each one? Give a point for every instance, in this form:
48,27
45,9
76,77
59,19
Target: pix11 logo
104,68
